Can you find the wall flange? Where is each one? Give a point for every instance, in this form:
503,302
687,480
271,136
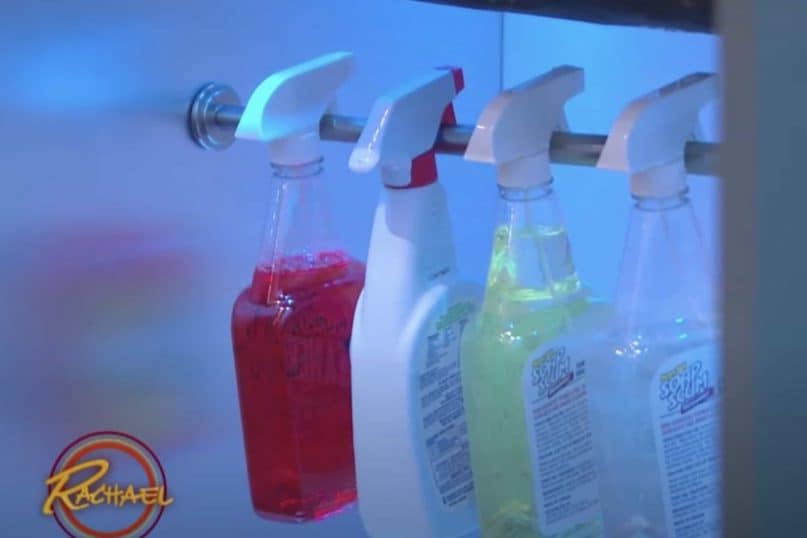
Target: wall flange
207,103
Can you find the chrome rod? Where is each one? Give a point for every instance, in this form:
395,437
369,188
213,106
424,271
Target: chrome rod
214,115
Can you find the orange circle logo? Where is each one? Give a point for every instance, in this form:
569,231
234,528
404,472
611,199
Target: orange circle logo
103,479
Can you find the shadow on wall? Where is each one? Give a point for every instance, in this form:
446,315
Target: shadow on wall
101,326
67,72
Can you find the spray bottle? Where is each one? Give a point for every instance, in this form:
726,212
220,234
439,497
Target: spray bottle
412,462
525,391
291,327
655,376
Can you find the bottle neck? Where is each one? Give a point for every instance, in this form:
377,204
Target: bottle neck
664,278
531,258
298,242
411,253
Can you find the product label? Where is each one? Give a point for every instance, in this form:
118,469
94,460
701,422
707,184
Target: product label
561,444
685,403
444,427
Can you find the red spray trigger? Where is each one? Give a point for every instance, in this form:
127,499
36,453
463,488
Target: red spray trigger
402,126
424,166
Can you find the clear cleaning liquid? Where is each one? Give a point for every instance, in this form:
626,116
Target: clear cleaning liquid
655,382
521,312
632,446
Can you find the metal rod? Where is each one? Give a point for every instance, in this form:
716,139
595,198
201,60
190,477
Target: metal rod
565,148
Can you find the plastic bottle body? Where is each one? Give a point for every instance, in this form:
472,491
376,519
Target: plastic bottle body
533,295
412,462
632,438
655,383
291,334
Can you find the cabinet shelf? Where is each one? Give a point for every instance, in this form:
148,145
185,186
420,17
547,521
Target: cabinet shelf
687,15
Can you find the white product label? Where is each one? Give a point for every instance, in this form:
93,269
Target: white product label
561,445
444,428
685,402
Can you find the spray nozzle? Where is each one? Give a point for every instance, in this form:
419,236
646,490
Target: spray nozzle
402,127
515,128
649,136
285,109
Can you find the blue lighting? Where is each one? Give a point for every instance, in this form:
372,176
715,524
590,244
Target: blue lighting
67,71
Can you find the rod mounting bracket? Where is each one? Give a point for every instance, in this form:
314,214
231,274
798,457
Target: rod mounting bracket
206,105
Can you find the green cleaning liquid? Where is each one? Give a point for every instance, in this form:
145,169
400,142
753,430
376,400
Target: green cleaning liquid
533,295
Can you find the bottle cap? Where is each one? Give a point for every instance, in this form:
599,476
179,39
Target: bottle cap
402,127
515,129
286,108
649,137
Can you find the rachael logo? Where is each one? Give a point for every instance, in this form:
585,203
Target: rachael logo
106,485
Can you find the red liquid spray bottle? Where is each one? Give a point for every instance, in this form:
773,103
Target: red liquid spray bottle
291,328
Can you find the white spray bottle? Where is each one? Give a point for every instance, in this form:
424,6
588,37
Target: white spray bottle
525,388
655,377
412,463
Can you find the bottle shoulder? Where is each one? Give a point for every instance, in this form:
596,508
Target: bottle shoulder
301,274
441,304
526,326
651,342
324,296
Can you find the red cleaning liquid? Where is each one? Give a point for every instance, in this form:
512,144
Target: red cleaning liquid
291,336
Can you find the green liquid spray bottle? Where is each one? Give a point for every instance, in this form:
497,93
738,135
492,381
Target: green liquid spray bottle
525,394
